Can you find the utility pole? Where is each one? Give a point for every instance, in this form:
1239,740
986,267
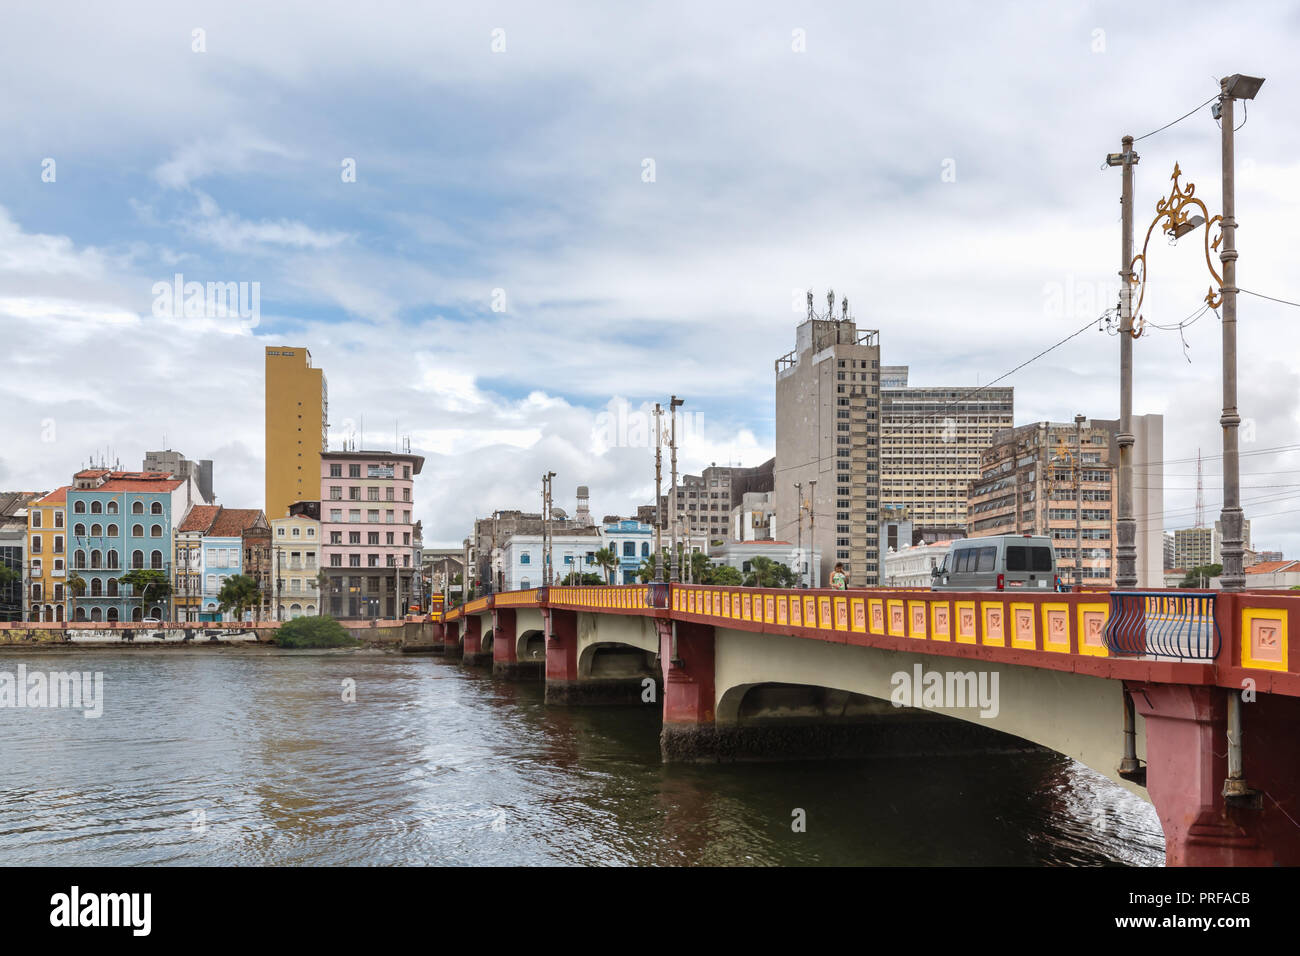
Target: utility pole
803,562
1078,499
674,559
1125,526
659,469
814,565
1233,88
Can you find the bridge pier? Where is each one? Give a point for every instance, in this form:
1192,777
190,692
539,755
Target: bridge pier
1186,742
689,730
473,644
451,638
505,649
583,671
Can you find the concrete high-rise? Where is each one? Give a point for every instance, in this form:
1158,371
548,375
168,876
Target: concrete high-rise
931,439
828,432
297,428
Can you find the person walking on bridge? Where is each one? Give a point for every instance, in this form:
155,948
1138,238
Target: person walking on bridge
838,581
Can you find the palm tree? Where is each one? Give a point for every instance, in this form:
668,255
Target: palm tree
607,560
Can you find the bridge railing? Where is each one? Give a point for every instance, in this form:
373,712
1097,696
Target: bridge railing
1164,624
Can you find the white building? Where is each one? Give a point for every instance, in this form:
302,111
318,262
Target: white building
295,563
522,560
752,519
740,554
910,567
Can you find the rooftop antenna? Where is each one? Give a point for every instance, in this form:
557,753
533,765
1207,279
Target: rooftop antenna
1200,493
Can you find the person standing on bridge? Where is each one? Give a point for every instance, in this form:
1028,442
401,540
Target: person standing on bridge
838,581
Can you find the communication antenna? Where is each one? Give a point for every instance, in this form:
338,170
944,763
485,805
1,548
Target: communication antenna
1200,493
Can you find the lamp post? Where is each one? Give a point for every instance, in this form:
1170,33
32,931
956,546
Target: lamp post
1125,526
1233,88
674,559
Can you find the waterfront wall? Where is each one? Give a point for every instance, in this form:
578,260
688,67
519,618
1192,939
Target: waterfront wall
374,633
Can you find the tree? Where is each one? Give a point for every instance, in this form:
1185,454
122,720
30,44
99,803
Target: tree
238,593
585,577
321,631
76,584
7,575
150,584
606,560
766,573
724,575
1200,577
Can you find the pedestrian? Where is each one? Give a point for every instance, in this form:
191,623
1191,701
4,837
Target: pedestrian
838,581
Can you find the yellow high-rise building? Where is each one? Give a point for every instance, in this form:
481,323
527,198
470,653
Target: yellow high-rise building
297,428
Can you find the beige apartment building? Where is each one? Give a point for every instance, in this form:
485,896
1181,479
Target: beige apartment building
1059,479
828,442
295,564
931,440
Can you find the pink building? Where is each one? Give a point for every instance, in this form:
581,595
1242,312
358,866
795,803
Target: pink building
368,541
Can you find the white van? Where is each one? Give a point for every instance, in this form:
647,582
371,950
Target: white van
997,563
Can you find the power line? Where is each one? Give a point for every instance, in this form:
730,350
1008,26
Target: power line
1270,298
1179,120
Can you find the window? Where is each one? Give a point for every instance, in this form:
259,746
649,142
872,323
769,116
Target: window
79,530
36,517
155,531
372,494
36,546
336,492
112,531
112,509
354,471
336,471
629,549
137,531
137,507
58,544
525,558
96,507
58,515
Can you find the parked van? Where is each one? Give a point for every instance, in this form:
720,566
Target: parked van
997,563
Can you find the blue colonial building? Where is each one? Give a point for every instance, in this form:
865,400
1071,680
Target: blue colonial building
632,542
117,521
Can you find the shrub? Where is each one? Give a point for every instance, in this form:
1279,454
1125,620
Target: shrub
321,631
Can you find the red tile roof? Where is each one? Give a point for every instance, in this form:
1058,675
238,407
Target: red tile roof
139,485
200,518
233,522
1270,567
56,497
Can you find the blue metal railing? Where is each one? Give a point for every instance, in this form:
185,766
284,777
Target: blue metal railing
1163,624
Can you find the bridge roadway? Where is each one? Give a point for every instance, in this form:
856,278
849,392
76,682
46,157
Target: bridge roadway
747,673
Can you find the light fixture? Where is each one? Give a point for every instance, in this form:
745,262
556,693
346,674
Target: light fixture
1184,228
1241,87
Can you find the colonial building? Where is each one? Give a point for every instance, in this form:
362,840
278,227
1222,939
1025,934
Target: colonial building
46,557
911,565
120,521
295,565
15,588
523,558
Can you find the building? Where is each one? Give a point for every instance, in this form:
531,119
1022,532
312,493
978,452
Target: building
1265,556
1167,540
741,554
295,566
1273,576
368,532
1193,547
911,565
15,579
752,519
828,443
632,542
483,549
46,556
214,544
444,570
297,428
931,439
523,558
705,501
121,521
178,466
1059,480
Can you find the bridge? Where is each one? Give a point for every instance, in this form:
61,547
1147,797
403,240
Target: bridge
1189,700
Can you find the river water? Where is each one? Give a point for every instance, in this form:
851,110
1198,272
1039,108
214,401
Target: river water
252,756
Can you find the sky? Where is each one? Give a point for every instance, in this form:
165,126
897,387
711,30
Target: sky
507,230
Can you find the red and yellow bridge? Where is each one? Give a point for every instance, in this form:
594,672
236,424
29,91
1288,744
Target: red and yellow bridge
1179,697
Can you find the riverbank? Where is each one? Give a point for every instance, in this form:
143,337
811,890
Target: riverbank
32,636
